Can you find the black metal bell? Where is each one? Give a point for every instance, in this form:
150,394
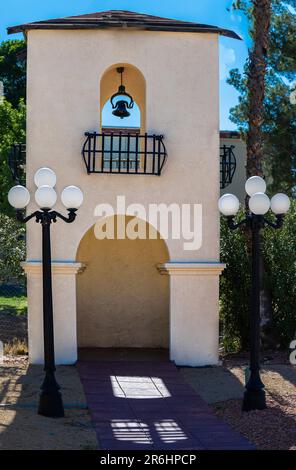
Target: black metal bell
121,106
121,109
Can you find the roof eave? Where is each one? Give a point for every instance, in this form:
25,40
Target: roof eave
68,26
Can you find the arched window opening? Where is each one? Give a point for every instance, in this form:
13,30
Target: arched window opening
123,93
128,84
122,144
109,121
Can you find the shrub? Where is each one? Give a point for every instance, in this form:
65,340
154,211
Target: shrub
17,347
279,254
12,249
279,251
234,289
12,129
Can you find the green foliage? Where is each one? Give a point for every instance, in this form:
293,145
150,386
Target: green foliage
234,288
12,110
279,254
279,246
13,304
279,250
282,54
12,129
13,70
12,249
279,125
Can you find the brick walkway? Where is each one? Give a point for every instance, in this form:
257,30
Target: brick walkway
147,405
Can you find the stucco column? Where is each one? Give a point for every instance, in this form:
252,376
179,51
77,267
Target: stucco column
64,310
194,312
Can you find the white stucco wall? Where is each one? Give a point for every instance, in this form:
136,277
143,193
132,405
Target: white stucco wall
63,95
181,72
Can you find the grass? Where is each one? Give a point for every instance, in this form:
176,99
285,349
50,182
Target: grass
15,305
16,348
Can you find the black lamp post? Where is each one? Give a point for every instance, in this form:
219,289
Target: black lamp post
50,402
259,204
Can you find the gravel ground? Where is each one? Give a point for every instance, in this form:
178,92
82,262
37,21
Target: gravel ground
223,388
270,429
20,425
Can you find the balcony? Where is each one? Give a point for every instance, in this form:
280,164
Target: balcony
227,165
124,153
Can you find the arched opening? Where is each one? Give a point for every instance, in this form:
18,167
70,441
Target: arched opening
122,300
135,85
109,121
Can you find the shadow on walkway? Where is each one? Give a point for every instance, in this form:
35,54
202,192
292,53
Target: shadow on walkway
144,404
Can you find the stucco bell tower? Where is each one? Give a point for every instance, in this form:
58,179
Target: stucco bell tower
154,292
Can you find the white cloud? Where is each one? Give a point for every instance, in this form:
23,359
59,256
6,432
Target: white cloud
227,59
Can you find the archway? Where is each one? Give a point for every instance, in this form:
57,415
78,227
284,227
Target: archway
135,84
122,300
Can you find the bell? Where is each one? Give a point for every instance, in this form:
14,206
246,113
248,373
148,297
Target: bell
120,109
122,106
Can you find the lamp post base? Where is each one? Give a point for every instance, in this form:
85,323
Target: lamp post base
50,401
254,400
51,405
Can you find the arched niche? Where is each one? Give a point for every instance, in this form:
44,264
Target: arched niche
135,84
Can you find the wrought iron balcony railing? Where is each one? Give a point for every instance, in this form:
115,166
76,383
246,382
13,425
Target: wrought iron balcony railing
227,165
123,161
124,153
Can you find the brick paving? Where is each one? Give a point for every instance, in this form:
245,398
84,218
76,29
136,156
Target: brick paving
146,405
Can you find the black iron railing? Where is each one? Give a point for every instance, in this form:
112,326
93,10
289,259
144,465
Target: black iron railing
17,162
124,153
147,157
227,165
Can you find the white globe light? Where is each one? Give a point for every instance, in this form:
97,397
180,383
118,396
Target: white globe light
72,197
45,177
18,197
255,184
228,204
280,203
259,203
45,197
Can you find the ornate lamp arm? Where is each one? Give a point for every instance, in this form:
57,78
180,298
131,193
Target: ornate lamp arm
71,216
21,218
233,226
278,224
46,216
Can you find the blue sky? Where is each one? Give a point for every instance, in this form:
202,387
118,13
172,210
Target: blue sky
233,53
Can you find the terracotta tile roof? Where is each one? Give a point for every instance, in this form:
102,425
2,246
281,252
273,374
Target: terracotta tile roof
123,19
